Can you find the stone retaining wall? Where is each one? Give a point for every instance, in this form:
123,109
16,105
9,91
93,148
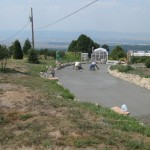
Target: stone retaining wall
136,79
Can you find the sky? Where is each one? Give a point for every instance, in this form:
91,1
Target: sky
102,15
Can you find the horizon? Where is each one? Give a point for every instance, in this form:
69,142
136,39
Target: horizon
79,16
67,37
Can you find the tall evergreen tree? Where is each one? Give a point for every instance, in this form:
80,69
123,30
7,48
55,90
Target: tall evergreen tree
17,50
26,47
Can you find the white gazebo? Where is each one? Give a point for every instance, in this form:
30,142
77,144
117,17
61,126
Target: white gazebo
100,55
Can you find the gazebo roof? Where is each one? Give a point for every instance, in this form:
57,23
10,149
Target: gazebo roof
100,49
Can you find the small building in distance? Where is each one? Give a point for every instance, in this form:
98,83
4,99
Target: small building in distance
139,53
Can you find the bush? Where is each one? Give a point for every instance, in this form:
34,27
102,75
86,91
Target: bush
4,54
71,56
121,68
125,68
32,56
139,59
147,63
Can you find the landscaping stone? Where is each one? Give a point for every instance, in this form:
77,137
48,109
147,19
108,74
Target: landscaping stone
136,79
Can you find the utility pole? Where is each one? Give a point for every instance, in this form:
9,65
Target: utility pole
31,20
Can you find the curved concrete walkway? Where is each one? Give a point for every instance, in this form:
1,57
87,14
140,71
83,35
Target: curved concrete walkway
102,88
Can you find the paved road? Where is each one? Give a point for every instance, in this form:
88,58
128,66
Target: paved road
102,88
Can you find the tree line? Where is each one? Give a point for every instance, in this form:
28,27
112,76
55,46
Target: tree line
83,44
15,51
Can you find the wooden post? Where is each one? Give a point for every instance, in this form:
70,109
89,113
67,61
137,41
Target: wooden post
31,20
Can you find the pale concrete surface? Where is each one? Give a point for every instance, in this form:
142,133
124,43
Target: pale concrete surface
102,88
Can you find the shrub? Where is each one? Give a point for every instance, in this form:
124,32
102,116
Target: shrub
125,68
32,56
121,68
4,54
139,59
71,56
147,63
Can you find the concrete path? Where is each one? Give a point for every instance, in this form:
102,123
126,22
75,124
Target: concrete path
102,88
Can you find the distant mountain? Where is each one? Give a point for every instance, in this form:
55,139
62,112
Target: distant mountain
61,39
132,47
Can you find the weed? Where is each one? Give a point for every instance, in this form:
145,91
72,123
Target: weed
5,136
36,126
1,91
47,143
67,95
3,119
82,143
25,117
111,142
133,144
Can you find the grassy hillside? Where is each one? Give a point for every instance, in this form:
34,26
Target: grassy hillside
38,113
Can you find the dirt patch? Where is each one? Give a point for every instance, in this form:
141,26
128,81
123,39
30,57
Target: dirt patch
14,96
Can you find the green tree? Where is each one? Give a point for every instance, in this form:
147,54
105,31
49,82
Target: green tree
4,54
106,47
83,44
118,53
17,50
45,53
52,53
72,46
10,48
147,63
26,47
32,56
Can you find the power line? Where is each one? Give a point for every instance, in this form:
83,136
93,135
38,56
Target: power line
15,33
68,15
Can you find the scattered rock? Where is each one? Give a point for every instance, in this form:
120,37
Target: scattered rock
49,74
136,79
